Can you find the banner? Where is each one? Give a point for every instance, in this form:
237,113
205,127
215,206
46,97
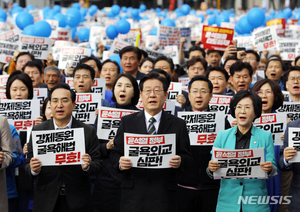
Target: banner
39,47
265,38
291,109
109,120
279,23
57,48
151,40
203,127
172,52
239,164
244,42
12,36
20,113
117,46
220,103
70,56
287,49
7,50
168,36
59,147
216,38
86,105
274,123
149,151
40,94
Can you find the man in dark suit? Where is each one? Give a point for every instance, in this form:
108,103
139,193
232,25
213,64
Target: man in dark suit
286,154
151,189
64,188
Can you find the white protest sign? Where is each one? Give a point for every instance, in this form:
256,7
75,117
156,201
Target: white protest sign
12,36
294,141
4,27
153,53
151,40
172,52
40,94
38,15
175,89
149,151
203,127
287,48
86,105
265,38
7,50
3,94
58,45
274,123
39,47
95,34
239,164
168,36
70,56
98,87
117,46
220,103
62,34
131,37
54,25
244,42
184,80
186,33
3,79
59,147
290,109
228,25
109,120
20,113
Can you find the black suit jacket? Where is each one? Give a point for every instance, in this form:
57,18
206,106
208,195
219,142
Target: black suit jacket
151,189
77,184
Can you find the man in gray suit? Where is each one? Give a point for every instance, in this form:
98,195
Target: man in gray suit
286,154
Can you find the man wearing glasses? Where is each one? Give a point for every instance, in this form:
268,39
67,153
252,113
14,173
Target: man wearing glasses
253,59
292,84
151,189
22,59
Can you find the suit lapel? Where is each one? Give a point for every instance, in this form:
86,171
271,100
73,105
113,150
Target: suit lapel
164,123
254,141
140,123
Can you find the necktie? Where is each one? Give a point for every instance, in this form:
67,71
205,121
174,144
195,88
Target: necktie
151,128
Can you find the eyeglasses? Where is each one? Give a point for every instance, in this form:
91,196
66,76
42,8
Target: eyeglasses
294,78
21,61
196,68
240,108
62,101
267,93
248,59
202,92
216,78
155,91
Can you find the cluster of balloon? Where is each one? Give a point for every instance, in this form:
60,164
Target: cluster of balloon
122,27
93,10
39,29
29,8
83,34
185,9
3,15
24,19
72,17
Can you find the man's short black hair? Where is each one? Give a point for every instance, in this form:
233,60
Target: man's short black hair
111,61
255,53
144,53
154,75
239,66
230,58
85,67
201,78
33,64
24,53
216,68
169,60
193,61
256,100
212,51
197,48
160,71
97,61
287,74
19,75
135,98
63,86
136,50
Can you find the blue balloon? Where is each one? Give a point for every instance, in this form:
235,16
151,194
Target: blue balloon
185,9
216,12
117,58
231,15
256,17
15,5
244,25
3,14
212,20
124,9
222,18
179,14
2,20
83,11
24,19
16,10
202,18
83,34
237,29
30,7
92,10
123,26
158,10
42,29
135,13
110,14
50,14
232,10
28,30
193,12
168,22
57,8
209,12
72,17
288,12
61,19
143,8
112,32
76,6
153,31
176,10
115,9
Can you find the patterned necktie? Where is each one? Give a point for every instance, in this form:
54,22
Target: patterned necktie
151,128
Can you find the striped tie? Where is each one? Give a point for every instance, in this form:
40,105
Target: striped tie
151,128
